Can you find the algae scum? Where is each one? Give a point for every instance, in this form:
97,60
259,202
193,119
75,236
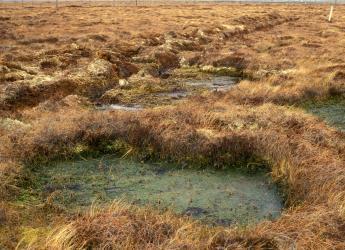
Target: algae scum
218,197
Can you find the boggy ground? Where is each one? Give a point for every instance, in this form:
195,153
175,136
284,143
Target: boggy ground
56,65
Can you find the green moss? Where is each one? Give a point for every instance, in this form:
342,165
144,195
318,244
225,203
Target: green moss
188,72
204,71
80,148
26,197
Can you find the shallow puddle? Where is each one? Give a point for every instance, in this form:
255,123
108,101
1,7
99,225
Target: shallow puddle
120,107
332,111
224,197
191,87
175,95
214,83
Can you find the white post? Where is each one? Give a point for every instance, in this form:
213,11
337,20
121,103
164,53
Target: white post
330,14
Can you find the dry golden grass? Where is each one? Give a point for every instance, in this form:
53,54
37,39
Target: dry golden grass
51,54
288,53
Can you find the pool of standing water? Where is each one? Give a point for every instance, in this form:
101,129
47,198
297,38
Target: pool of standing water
214,83
210,83
332,111
217,197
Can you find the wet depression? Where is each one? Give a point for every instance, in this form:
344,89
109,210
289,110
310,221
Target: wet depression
218,197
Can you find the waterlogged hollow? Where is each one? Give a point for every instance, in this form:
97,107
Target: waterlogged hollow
120,107
214,83
222,197
209,83
332,111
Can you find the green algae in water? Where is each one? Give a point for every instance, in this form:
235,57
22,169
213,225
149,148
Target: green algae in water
332,111
214,196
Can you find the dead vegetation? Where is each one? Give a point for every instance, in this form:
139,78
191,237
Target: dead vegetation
94,62
106,57
49,84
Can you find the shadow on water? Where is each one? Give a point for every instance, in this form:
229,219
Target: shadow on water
222,197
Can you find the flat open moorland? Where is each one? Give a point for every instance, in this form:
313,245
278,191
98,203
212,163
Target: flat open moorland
218,87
